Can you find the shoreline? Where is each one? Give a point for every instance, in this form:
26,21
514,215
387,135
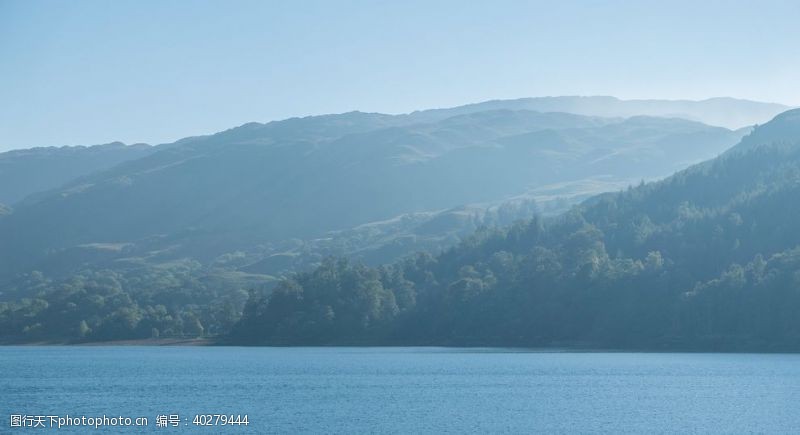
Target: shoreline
208,342
134,342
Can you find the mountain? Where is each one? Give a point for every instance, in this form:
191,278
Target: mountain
725,112
706,259
251,188
25,172
784,128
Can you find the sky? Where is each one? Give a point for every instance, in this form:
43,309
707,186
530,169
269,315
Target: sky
89,72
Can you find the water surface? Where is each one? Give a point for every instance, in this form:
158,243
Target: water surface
404,390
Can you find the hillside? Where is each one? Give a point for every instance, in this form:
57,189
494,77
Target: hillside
177,242
262,184
705,259
25,172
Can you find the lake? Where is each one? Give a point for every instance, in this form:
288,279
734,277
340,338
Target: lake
400,390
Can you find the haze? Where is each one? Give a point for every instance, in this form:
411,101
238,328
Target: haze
165,70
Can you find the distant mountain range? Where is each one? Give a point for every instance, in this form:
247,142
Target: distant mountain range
253,188
724,112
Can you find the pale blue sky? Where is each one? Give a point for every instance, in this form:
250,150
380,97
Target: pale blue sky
87,72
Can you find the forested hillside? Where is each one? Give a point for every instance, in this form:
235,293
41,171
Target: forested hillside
196,234
706,259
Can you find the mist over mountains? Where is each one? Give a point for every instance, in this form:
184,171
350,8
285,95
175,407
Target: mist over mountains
724,112
175,239
252,188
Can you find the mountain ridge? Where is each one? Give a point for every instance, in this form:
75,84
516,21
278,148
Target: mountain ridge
727,112
705,259
261,183
33,170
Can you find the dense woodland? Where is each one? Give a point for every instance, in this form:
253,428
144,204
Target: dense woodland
707,259
173,301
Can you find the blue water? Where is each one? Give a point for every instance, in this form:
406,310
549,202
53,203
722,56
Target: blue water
404,390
